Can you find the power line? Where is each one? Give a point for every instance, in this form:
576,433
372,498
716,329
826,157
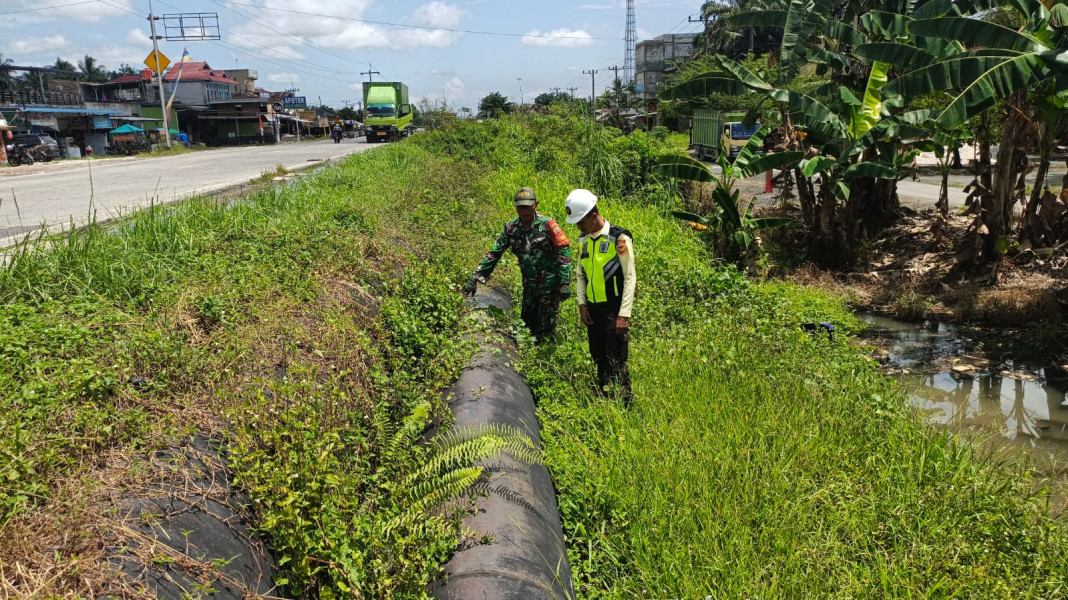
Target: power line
15,12
388,24
370,72
293,62
275,29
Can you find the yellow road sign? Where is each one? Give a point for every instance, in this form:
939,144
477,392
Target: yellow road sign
157,62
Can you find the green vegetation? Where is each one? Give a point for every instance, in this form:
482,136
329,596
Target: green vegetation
315,332
758,461
315,326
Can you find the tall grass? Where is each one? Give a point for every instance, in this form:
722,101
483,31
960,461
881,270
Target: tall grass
115,340
759,461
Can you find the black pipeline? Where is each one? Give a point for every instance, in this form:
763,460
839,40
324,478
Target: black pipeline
526,558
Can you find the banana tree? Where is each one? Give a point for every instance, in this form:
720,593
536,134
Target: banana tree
731,221
1025,68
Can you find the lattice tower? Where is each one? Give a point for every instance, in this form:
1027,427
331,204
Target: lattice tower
628,41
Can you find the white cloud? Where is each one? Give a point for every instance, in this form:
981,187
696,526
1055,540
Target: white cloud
643,34
437,14
558,38
284,78
342,34
454,89
138,37
113,55
37,45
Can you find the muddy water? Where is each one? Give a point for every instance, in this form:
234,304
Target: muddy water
1019,409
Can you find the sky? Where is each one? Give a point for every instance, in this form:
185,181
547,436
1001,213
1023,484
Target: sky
458,51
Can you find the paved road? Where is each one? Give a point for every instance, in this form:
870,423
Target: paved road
59,192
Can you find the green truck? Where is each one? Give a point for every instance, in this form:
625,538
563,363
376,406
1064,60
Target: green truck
713,130
388,115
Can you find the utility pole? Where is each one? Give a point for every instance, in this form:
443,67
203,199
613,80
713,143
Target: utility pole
593,86
520,80
556,91
370,72
572,90
616,70
159,73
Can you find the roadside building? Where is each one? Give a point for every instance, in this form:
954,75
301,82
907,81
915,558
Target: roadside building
655,58
75,113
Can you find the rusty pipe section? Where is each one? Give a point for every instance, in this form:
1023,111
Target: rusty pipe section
525,558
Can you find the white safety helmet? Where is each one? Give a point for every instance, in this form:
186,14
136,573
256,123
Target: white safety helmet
579,203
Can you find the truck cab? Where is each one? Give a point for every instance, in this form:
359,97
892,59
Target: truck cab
736,135
714,131
389,116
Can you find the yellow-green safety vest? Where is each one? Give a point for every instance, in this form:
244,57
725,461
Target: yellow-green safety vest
600,266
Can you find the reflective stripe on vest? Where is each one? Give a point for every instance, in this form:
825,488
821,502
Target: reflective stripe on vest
600,264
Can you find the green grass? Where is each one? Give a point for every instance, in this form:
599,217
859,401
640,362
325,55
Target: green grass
758,461
118,339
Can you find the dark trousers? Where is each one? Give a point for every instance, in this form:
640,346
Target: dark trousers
609,349
540,313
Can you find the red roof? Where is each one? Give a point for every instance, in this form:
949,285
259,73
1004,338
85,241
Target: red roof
144,75
197,71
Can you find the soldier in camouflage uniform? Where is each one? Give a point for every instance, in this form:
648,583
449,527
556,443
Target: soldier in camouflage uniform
544,254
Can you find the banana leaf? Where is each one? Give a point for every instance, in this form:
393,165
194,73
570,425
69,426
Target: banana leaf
689,217
704,86
885,26
749,150
901,56
989,73
932,9
770,222
728,203
821,123
802,21
757,18
998,81
871,110
684,167
974,32
818,164
749,79
838,31
775,160
870,169
820,56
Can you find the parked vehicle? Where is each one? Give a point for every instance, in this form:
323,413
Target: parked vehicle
713,130
42,146
19,154
388,113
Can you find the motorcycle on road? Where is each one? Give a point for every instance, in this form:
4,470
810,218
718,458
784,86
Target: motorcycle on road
19,154
336,134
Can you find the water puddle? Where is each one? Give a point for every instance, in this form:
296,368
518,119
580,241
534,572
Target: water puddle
969,388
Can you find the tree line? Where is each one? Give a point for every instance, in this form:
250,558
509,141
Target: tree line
858,89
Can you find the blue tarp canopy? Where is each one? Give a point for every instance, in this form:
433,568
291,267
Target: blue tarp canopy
127,128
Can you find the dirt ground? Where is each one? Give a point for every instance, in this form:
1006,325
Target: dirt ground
1022,300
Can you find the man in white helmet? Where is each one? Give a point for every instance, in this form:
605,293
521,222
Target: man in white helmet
605,286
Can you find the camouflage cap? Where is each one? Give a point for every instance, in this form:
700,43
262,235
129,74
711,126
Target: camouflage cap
525,197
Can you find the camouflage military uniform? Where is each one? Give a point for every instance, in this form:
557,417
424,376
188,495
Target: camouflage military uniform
546,271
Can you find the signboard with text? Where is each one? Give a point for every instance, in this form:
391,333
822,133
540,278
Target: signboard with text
295,102
101,122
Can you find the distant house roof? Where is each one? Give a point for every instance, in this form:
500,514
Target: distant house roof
144,75
198,71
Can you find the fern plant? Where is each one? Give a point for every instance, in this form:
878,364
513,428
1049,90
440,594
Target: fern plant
355,509
447,465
